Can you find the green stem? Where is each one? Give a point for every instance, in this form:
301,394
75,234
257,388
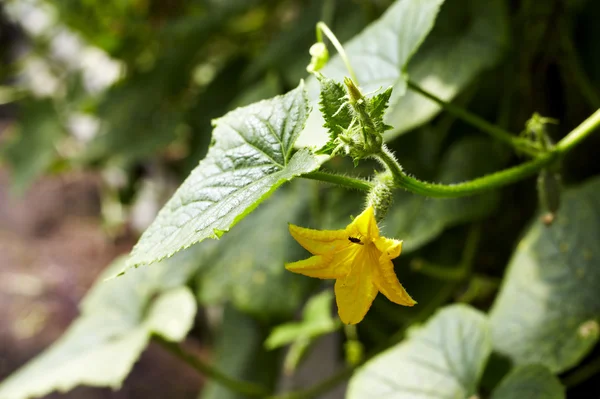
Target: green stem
475,186
579,133
474,120
344,181
583,373
242,387
447,273
323,28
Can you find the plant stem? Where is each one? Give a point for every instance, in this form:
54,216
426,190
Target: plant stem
323,28
579,133
488,182
480,123
242,387
344,181
475,186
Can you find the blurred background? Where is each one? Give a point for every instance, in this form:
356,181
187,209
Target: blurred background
106,106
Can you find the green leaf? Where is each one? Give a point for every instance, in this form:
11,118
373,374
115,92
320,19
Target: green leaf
117,319
379,55
246,266
251,157
530,381
377,106
469,37
443,359
418,220
548,307
316,321
33,150
333,107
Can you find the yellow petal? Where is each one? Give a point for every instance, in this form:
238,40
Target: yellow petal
355,293
364,225
324,266
319,242
386,281
389,247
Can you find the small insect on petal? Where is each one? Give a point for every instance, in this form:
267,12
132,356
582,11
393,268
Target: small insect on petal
356,240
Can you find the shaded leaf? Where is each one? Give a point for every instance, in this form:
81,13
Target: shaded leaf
417,219
240,355
531,382
245,267
117,320
443,359
548,306
378,55
251,157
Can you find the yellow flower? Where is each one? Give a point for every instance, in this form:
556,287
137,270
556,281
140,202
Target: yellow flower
358,258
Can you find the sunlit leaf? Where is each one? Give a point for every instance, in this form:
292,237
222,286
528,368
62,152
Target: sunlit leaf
251,156
443,359
469,37
548,306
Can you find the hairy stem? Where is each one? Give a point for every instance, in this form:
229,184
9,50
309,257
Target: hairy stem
475,186
344,181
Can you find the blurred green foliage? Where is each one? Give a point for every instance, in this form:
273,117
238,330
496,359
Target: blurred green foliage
129,89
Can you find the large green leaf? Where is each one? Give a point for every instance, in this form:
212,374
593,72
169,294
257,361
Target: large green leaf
117,319
34,148
251,156
547,308
531,382
245,267
469,37
378,55
417,220
443,359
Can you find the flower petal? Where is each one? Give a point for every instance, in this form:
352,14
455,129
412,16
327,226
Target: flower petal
332,265
355,293
364,225
389,247
386,281
319,242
